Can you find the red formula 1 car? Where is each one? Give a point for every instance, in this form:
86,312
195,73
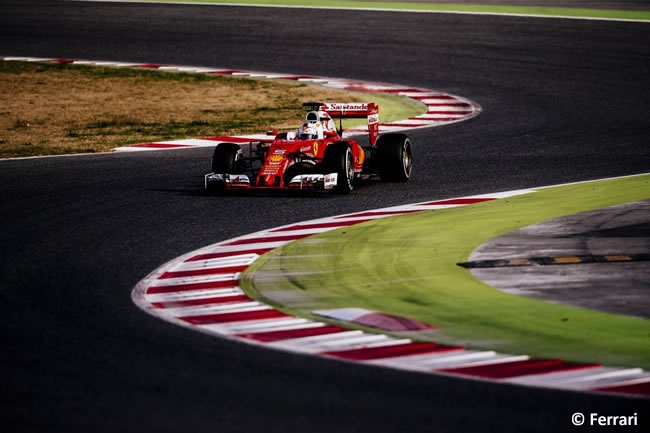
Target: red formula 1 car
315,157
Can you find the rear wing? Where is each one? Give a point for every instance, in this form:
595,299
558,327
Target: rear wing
351,110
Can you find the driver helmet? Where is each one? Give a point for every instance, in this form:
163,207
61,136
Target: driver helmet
309,131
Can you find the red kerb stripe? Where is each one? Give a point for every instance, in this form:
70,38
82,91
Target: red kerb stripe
204,301
519,368
292,333
449,112
433,97
439,119
153,290
405,90
298,77
379,213
232,139
267,239
197,272
227,254
634,388
405,125
208,319
320,226
148,66
160,145
456,201
391,351
450,104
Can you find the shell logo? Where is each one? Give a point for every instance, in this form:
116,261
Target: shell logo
276,158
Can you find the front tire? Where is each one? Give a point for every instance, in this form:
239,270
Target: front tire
226,157
394,157
338,159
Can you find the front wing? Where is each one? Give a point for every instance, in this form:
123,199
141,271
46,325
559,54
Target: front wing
308,182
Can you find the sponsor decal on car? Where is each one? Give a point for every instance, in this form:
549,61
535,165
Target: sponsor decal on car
269,179
315,147
276,158
345,106
330,180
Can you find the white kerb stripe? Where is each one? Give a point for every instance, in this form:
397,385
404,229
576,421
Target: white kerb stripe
456,356
556,378
286,327
364,341
192,295
222,262
318,339
263,325
497,359
196,280
234,307
612,380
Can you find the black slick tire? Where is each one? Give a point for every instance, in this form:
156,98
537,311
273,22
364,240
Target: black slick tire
225,158
394,157
338,159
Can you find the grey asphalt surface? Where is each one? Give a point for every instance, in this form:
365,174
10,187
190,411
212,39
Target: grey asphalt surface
617,287
639,5
564,101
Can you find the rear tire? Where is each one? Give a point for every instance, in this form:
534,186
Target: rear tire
338,159
226,157
394,157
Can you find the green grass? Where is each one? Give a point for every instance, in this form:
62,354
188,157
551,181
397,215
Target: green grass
442,7
391,109
406,265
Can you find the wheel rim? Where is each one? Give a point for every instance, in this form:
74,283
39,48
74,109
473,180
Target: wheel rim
349,166
406,159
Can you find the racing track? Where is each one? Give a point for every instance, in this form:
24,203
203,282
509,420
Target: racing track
563,101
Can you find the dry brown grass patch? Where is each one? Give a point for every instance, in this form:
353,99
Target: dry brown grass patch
57,109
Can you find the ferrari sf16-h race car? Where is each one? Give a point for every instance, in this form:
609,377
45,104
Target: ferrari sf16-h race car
315,157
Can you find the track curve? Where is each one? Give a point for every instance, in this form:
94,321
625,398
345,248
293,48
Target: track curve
561,103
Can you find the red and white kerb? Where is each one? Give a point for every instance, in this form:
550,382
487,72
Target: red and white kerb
201,291
442,108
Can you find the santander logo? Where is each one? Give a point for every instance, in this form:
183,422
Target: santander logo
345,106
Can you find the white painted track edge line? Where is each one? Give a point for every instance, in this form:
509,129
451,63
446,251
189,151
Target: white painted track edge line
360,9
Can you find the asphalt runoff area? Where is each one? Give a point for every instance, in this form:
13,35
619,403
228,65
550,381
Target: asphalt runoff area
619,287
